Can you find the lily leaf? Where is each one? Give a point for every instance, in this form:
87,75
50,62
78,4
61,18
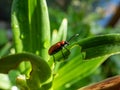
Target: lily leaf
30,26
95,50
40,74
100,45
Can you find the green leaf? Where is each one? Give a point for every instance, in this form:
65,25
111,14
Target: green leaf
3,37
31,28
61,34
81,66
76,70
100,45
13,74
40,74
5,49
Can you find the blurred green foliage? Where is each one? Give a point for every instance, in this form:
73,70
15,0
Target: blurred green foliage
3,37
5,45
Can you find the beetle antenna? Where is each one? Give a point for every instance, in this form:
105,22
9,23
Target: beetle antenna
73,37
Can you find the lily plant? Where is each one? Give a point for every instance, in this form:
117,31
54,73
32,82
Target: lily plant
32,68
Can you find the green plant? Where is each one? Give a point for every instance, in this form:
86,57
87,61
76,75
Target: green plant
31,68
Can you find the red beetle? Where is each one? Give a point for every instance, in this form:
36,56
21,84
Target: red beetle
59,45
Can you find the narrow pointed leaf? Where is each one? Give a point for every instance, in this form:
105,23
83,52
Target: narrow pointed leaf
100,45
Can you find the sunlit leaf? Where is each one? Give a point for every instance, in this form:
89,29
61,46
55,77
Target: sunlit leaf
87,61
31,28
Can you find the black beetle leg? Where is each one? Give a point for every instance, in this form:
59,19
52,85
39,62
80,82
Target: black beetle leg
63,54
53,58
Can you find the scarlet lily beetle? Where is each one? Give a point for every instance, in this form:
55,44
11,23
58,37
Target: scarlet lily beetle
58,46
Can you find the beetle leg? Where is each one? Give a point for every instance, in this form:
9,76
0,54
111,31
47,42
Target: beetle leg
67,49
53,58
63,54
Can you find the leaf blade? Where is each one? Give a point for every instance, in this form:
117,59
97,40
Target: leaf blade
69,74
30,22
39,67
